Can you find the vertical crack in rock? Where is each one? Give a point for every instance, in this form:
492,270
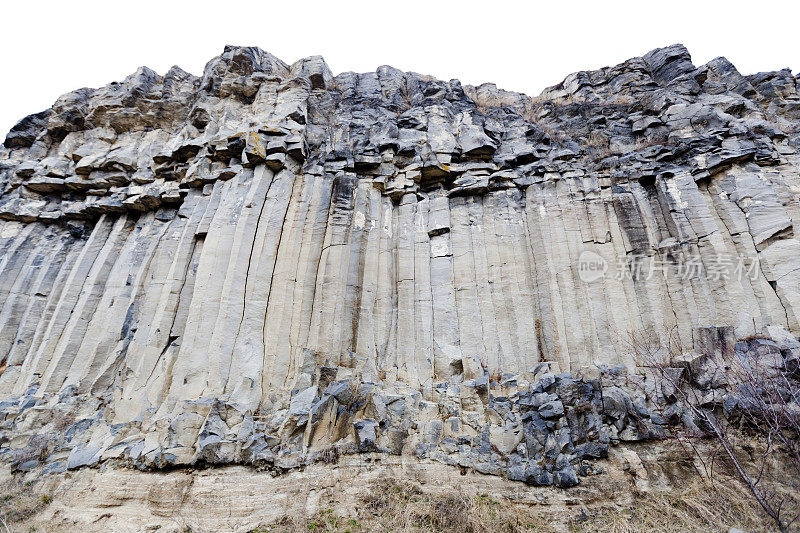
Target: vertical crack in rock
272,278
247,278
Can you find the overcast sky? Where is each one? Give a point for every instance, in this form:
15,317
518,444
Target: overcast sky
48,50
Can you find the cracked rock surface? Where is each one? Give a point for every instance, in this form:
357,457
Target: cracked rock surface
272,265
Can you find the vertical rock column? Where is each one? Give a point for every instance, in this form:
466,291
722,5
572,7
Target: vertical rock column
446,348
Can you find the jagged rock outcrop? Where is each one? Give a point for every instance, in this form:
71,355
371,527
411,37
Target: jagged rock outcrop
270,264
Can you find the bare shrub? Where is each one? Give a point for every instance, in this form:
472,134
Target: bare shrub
406,98
761,402
662,345
700,505
598,145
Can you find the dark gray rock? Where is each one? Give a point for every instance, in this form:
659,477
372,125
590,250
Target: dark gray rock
366,435
551,409
565,478
27,466
594,450
55,467
25,132
670,63
531,474
302,402
543,382
83,455
616,404
341,390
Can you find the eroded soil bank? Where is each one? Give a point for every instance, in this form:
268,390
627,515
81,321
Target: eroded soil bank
650,486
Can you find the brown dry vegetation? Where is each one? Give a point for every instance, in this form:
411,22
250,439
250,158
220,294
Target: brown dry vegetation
757,444
485,103
701,506
20,501
392,505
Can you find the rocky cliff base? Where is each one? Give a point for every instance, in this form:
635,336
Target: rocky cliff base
644,487
539,427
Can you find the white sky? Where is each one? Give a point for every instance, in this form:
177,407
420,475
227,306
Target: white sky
52,48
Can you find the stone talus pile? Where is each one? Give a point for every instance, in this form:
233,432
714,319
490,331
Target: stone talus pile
269,262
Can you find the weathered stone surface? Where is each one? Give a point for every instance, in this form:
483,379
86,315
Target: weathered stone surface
272,265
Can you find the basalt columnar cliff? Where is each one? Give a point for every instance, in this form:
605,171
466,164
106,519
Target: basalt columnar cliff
272,265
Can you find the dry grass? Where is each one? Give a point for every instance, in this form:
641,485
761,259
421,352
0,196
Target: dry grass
533,109
621,99
555,134
486,103
20,501
700,506
754,337
598,145
406,100
485,100
392,505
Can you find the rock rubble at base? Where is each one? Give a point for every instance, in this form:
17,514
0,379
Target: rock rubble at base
540,428
543,433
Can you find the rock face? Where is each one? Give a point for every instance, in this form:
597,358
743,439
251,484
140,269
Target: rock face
270,264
